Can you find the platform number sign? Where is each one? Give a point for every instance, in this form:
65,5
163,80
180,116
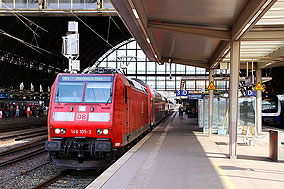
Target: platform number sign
182,92
250,93
82,116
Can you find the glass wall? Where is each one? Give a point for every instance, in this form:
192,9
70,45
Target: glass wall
246,114
156,75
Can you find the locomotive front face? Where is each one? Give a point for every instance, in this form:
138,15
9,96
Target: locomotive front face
80,119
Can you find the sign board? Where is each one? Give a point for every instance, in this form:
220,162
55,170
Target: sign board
249,80
84,78
250,93
211,86
259,87
195,96
3,96
182,92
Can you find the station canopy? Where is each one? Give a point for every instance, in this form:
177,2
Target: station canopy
198,33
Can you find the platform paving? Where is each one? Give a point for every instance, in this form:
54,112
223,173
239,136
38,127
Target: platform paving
177,155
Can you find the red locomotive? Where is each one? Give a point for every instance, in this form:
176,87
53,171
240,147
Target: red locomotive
93,117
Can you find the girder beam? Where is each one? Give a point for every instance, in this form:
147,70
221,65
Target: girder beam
222,33
188,62
250,14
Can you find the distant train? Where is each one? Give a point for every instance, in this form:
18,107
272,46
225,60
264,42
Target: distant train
271,109
94,117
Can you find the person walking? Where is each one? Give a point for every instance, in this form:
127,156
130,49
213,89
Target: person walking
180,111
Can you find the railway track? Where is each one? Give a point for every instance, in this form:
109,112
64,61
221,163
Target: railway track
70,179
37,151
23,147
20,135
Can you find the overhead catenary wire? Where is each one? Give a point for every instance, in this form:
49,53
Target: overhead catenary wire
18,14
28,44
108,28
22,21
90,28
116,24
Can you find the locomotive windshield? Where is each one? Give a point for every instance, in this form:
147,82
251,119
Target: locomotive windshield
94,89
98,92
69,92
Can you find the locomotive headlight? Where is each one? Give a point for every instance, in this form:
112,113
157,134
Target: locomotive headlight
63,131
57,131
102,131
105,131
60,131
99,132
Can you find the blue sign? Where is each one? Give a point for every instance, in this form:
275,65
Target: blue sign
3,96
250,93
248,80
195,96
182,92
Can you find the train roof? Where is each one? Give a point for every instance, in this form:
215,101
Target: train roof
101,70
137,85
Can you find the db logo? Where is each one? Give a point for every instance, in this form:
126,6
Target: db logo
81,116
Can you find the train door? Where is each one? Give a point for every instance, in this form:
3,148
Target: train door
153,111
129,114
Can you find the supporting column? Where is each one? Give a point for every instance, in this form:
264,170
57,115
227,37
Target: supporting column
210,112
258,103
234,95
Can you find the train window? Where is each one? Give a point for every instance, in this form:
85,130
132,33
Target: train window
98,92
69,92
269,105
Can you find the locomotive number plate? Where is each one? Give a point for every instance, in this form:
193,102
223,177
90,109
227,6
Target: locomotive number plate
82,116
81,131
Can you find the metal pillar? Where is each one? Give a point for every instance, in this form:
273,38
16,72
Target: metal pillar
234,95
210,112
258,103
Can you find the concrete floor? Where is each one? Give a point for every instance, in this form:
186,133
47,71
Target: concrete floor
177,155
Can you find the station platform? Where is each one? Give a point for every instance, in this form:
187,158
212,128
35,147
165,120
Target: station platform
177,155
9,124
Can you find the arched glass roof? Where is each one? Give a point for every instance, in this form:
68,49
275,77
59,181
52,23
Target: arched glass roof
156,75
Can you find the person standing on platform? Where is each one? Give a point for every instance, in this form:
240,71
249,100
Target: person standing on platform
28,111
17,111
7,111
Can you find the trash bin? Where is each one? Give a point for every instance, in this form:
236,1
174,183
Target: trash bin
276,145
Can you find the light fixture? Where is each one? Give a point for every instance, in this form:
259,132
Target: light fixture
148,40
135,13
105,131
57,131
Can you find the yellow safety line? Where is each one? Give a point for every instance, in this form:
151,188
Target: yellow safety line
228,181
